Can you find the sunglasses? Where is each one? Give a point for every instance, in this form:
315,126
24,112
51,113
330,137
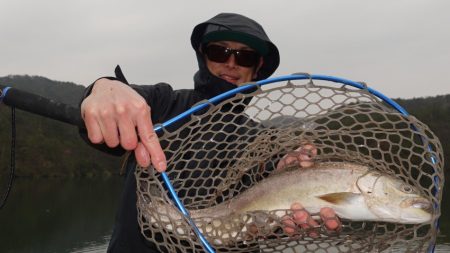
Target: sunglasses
220,54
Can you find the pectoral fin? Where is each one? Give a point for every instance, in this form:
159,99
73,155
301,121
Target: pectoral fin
338,198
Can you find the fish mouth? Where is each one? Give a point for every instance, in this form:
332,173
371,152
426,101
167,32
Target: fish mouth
416,211
418,203
422,204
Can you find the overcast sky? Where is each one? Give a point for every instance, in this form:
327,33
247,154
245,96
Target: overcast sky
398,47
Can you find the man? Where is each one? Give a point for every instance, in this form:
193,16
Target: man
231,50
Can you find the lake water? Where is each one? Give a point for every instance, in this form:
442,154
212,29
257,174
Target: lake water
58,216
49,215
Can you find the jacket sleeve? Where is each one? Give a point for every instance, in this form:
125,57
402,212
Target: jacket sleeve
157,96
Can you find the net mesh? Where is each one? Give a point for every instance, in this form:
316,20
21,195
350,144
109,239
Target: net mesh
225,149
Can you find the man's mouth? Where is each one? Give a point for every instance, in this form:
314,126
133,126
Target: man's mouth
229,78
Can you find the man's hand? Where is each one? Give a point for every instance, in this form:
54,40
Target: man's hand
301,218
303,156
116,114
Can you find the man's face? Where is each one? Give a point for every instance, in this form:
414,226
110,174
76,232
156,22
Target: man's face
229,70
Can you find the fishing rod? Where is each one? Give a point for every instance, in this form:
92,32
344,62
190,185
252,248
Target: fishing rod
49,108
42,106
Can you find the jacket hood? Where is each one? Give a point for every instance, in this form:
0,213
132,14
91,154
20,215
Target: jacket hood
207,83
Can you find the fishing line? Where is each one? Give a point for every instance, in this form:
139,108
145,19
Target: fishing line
13,148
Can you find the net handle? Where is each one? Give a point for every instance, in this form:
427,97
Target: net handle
219,98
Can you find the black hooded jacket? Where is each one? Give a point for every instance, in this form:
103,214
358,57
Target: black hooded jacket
167,103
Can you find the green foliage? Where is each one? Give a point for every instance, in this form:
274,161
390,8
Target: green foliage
434,112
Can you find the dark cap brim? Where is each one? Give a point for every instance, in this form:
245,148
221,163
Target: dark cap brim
258,45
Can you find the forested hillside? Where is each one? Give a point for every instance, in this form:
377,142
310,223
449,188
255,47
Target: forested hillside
435,112
49,148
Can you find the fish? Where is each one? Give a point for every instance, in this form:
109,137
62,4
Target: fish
356,192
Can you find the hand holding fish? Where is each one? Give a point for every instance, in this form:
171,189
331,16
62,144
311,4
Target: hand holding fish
304,157
302,219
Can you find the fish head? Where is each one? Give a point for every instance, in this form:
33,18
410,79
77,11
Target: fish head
392,200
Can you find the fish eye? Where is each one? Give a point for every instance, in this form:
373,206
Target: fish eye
407,188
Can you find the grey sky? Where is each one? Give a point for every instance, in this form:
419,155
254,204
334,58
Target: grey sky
398,47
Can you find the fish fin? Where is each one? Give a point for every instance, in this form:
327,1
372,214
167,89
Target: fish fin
339,197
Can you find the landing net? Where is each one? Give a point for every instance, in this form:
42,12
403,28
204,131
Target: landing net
224,149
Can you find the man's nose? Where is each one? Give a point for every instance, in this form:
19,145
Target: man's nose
231,62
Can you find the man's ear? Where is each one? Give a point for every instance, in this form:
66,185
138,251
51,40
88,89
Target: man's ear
261,62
